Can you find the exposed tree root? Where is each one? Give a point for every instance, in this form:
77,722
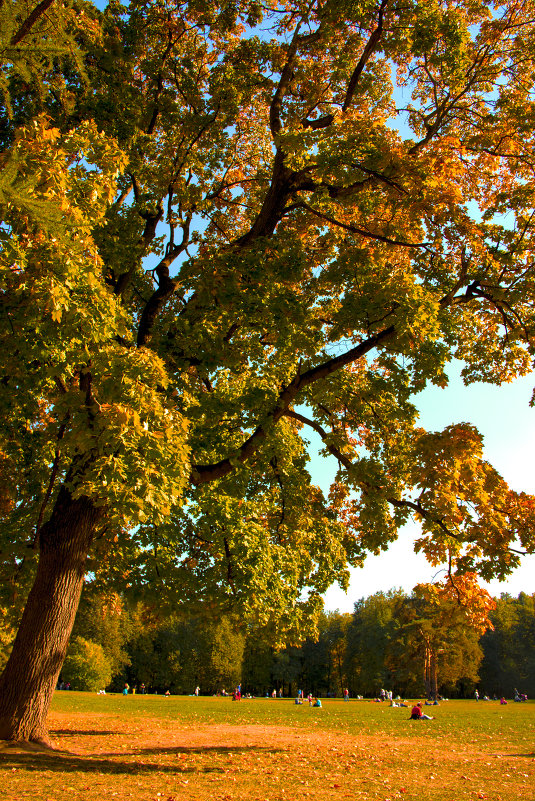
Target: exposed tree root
38,745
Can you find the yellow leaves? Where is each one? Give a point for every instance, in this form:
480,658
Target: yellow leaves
468,513
447,460
140,462
45,181
58,300
460,595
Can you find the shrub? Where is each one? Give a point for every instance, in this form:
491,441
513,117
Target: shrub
86,666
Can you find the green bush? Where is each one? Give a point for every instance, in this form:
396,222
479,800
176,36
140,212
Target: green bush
86,666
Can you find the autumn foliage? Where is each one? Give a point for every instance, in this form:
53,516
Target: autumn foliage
225,225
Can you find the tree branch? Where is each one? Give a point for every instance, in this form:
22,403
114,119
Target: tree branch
284,81
149,232
203,474
361,231
52,481
348,464
368,50
30,21
166,287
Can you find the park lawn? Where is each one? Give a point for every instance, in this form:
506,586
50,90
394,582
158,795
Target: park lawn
194,749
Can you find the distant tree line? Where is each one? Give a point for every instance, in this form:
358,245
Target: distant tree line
407,643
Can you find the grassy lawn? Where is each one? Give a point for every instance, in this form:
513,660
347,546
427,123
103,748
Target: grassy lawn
166,749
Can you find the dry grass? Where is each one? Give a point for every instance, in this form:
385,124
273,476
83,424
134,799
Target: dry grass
157,749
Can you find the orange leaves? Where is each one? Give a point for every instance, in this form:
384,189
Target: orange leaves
463,595
467,511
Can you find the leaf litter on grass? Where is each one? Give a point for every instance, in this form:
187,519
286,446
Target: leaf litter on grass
157,756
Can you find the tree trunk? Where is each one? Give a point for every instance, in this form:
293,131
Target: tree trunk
434,677
30,676
427,669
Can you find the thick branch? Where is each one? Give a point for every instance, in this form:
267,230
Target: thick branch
51,482
30,21
149,232
166,287
368,50
321,122
284,82
273,205
160,85
203,474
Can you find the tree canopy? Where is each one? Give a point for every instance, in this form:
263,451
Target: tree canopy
227,224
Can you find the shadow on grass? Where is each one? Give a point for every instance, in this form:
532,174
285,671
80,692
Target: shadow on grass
36,763
78,732
209,749
64,762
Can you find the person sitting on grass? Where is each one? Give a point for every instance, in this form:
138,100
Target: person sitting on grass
317,702
417,714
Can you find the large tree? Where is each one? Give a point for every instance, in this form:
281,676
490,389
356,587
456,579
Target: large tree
509,647
226,224
436,642
370,635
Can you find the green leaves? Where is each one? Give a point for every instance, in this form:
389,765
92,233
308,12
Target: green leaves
224,230
135,450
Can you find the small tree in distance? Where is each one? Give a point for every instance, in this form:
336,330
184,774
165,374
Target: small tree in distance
86,666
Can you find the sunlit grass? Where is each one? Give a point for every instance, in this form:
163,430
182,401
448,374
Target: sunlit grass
151,747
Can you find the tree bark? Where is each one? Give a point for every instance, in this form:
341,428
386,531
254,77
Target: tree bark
434,677
427,669
30,676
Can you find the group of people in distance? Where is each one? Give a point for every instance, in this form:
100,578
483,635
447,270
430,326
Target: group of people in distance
416,713
312,701
518,698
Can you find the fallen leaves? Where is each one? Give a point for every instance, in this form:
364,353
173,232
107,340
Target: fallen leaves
164,759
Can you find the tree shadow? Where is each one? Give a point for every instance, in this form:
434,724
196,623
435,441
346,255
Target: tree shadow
64,762
78,732
69,763
206,749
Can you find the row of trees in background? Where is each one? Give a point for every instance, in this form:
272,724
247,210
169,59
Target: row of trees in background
414,644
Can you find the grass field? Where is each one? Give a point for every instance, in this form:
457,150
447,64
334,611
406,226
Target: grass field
165,749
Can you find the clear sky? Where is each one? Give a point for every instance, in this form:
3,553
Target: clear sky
507,422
